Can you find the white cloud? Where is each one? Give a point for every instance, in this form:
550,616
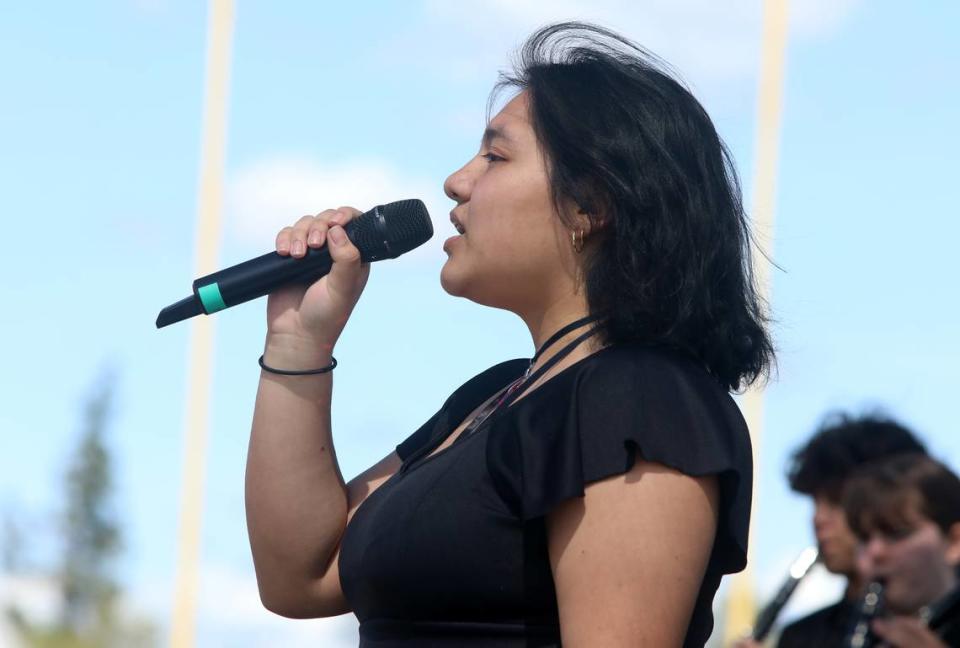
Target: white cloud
264,197
37,597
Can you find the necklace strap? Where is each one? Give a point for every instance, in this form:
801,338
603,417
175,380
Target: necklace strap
514,390
560,355
559,334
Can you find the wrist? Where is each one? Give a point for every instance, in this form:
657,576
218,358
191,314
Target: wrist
296,353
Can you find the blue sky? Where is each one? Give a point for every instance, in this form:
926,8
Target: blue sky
378,101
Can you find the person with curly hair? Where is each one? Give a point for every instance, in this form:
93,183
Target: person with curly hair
821,469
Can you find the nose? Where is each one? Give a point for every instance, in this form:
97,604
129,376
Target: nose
873,551
458,184
823,515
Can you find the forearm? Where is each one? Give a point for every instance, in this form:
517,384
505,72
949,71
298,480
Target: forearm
296,499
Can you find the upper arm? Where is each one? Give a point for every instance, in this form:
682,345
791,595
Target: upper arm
629,556
326,590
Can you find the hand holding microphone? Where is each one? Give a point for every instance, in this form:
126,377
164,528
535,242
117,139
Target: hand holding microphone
314,280
317,311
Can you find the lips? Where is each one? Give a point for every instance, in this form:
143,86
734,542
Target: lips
450,241
457,224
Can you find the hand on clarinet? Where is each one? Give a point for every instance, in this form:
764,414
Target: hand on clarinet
906,632
313,316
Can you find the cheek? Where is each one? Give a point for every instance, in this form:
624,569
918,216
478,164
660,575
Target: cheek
918,562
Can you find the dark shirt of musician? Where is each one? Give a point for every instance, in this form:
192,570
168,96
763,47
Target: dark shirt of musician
825,628
945,620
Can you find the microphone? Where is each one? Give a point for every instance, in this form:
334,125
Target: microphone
384,232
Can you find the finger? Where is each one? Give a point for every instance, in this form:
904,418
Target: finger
317,233
343,215
905,632
347,275
283,241
298,236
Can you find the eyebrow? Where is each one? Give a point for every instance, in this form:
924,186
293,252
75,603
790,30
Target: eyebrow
492,133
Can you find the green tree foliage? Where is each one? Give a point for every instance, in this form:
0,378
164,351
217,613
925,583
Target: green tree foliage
91,531
89,615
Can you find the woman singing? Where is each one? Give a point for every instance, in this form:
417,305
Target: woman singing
594,494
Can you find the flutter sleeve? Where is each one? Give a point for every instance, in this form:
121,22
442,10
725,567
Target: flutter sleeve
630,403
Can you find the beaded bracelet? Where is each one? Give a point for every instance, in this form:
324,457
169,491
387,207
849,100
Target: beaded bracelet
305,372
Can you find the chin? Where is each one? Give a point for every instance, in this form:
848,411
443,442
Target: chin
899,602
835,565
449,281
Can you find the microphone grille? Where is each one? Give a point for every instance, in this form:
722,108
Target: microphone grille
408,224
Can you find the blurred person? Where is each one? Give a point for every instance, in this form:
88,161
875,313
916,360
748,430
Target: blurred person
596,493
905,511
820,469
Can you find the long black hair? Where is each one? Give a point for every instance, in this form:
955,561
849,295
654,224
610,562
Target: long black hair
668,259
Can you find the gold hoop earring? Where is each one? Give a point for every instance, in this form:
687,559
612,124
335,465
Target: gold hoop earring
577,238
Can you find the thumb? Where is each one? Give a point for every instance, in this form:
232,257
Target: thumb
346,270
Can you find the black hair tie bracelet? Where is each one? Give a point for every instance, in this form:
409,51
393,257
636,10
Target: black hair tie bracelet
305,372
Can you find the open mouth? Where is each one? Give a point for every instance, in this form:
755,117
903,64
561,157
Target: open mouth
457,224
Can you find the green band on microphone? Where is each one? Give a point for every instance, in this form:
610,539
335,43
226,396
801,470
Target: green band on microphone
211,298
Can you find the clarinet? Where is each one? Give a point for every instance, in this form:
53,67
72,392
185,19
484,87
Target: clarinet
871,606
768,616
943,617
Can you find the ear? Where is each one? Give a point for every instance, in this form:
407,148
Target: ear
953,544
590,222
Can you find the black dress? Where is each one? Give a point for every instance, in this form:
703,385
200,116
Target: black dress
452,549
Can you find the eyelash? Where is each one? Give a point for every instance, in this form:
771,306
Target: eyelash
492,157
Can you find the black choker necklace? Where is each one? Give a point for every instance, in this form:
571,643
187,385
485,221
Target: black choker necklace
511,392
556,336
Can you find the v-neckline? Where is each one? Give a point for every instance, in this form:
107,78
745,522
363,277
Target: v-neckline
425,456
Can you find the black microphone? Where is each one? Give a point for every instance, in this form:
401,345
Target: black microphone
384,232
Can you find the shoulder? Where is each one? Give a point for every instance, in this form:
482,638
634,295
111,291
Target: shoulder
653,372
612,408
666,403
506,370
481,386
814,624
813,619
463,400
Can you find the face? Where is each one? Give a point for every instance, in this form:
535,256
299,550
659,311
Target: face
916,563
835,540
515,253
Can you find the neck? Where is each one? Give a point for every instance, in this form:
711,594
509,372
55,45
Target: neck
855,587
544,322
948,582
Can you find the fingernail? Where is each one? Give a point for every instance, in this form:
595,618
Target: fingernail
336,233
298,247
314,237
